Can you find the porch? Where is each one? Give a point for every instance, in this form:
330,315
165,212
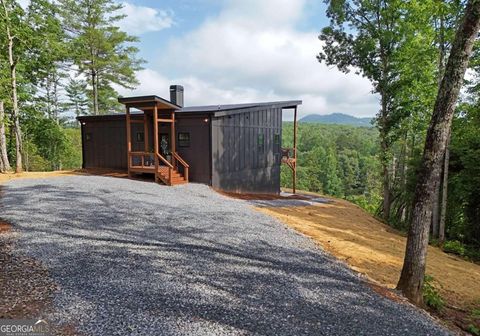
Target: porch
159,153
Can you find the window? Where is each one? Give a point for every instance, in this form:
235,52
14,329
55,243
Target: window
261,140
183,139
88,136
276,139
140,137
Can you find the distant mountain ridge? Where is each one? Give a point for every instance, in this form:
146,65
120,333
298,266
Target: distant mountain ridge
337,118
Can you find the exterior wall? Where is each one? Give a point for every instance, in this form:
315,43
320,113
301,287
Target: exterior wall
105,144
197,154
239,162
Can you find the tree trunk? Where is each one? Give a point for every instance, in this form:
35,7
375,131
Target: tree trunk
95,92
443,213
436,210
15,111
4,162
387,203
413,271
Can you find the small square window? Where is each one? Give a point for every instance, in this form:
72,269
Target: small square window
88,136
140,137
184,139
276,139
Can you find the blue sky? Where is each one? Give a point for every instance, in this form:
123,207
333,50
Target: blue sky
235,51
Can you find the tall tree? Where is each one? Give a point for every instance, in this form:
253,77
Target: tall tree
102,52
378,39
77,100
14,32
413,271
4,162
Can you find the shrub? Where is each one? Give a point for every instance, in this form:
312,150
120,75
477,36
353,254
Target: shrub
473,330
455,247
430,294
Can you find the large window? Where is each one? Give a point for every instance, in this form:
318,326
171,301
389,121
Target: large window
183,139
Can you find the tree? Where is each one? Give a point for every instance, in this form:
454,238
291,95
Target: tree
14,31
77,100
102,52
413,271
389,42
4,162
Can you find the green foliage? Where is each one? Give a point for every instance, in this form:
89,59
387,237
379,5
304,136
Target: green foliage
455,247
431,297
473,330
103,53
336,160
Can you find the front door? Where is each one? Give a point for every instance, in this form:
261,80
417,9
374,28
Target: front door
164,146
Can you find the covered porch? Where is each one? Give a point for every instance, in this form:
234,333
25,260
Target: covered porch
159,153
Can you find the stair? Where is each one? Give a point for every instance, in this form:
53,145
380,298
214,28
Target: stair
177,177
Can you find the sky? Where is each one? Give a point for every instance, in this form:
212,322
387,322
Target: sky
241,51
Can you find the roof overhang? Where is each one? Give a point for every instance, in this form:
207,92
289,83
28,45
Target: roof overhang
145,103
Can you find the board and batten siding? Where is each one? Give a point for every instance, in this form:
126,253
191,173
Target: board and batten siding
239,162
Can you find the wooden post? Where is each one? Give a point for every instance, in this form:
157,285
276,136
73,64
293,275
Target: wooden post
173,138
294,177
155,140
129,140
145,132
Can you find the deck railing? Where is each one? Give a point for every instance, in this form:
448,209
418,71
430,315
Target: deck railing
144,160
183,163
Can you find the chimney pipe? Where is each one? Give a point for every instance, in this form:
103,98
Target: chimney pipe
176,94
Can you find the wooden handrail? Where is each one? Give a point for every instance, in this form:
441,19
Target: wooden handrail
139,153
168,164
179,159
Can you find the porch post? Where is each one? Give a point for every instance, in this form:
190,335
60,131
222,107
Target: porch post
173,138
155,140
294,177
145,132
129,140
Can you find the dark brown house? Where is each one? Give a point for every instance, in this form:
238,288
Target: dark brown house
234,148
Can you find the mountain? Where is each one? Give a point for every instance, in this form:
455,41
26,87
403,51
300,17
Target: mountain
337,118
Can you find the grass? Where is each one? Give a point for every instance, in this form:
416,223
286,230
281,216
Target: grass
377,251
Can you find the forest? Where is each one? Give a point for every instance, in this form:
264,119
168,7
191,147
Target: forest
415,168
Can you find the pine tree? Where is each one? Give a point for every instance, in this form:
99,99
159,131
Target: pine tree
77,100
101,51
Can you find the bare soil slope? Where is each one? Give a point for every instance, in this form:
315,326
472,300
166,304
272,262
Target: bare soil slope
376,250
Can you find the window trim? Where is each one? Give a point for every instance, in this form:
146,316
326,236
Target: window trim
182,143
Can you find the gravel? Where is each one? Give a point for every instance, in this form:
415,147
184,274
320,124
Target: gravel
137,258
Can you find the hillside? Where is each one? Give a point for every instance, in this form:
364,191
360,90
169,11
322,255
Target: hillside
337,118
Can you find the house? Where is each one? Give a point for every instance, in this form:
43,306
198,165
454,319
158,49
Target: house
233,148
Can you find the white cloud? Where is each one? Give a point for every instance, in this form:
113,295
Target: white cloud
252,52
141,19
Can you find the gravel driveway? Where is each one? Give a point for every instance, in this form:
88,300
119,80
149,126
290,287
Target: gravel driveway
137,258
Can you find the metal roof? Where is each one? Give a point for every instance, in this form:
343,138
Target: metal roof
229,107
217,110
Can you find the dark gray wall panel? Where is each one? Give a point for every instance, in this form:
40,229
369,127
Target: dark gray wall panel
239,163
